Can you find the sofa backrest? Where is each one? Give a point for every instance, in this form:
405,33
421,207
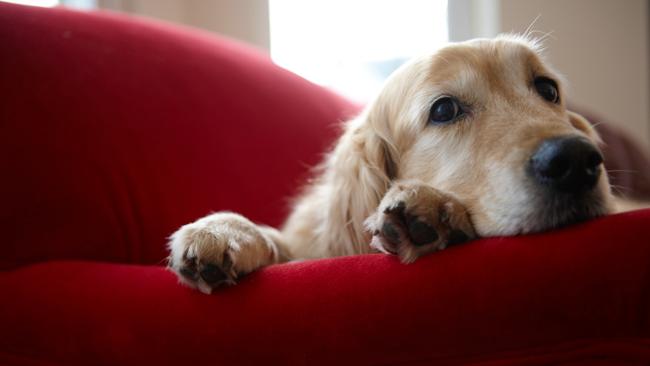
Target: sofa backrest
114,131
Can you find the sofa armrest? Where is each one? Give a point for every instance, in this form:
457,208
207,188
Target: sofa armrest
115,131
580,295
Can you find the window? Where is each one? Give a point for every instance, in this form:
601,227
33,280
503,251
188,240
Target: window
352,46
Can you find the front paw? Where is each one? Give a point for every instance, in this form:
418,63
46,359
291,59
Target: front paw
217,250
414,219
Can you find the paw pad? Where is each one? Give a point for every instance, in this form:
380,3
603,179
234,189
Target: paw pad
212,274
415,219
421,233
457,237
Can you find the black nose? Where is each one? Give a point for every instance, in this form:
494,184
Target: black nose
566,164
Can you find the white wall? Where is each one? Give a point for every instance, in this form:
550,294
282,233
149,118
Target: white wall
246,20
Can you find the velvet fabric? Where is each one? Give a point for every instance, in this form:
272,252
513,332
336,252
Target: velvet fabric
115,131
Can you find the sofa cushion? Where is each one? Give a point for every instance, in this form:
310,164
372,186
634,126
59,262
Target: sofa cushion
574,296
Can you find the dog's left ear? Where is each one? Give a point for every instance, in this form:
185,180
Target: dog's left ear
377,152
581,123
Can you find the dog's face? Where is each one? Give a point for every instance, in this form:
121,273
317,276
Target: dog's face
486,121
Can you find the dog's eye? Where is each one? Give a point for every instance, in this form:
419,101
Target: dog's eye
547,88
445,109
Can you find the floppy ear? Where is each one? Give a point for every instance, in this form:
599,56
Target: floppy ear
362,166
375,151
581,123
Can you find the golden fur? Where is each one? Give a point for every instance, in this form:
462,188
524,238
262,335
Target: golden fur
462,177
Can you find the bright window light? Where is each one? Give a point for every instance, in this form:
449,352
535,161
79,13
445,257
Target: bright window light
44,3
81,4
352,46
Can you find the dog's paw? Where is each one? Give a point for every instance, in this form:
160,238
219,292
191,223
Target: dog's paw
414,219
218,249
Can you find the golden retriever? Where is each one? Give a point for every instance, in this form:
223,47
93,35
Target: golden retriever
473,140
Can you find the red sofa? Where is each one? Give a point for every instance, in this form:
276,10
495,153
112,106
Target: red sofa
115,131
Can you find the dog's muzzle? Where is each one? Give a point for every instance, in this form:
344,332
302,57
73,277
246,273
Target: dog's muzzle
566,164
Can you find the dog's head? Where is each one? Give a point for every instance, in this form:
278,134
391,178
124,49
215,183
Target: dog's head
486,121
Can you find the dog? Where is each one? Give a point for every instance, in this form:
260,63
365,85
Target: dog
471,141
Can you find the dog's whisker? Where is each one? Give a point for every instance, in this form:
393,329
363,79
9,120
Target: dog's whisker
620,190
622,171
543,37
528,30
547,35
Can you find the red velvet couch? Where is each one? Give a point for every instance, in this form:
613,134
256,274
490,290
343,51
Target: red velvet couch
115,131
